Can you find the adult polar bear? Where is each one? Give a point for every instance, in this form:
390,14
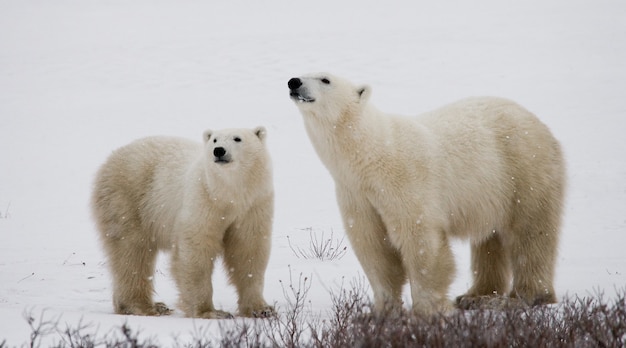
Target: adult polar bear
482,168
198,200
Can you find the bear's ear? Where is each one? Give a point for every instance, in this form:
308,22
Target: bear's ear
364,93
207,135
260,132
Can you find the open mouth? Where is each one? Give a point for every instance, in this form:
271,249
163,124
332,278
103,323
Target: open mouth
296,96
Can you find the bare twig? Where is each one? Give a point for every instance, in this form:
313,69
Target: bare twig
321,248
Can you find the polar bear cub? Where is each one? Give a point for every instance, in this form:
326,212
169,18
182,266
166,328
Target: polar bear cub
483,169
197,200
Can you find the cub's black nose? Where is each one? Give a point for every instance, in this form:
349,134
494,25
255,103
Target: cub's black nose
219,152
294,83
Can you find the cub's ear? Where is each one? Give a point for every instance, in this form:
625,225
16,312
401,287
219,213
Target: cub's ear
364,93
207,135
260,132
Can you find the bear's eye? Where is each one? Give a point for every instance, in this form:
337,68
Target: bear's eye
215,140
237,139
325,81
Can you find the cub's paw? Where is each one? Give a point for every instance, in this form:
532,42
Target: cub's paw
216,314
161,308
147,309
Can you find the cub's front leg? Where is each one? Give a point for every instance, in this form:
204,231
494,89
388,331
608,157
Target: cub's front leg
193,258
247,245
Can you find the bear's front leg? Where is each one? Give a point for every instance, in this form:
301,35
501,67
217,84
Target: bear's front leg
193,258
379,259
247,245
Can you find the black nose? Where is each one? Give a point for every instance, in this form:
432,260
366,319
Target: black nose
294,83
219,152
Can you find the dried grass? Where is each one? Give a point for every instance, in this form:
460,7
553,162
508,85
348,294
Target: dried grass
575,322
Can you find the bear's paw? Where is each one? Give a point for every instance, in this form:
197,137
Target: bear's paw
265,312
491,302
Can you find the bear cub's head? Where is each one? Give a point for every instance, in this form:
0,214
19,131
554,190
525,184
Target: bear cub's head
237,146
325,92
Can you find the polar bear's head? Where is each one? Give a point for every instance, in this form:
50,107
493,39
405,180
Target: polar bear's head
326,95
235,147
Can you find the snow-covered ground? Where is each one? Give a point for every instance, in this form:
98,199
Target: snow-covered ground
81,78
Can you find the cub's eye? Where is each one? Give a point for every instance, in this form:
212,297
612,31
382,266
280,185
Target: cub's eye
215,140
237,139
325,81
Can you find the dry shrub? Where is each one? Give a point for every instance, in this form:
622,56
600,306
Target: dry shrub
575,322
320,247
578,322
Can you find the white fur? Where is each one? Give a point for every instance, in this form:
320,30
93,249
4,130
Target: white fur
171,194
482,168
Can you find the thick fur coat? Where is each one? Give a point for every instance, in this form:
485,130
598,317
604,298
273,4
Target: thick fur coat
197,200
483,169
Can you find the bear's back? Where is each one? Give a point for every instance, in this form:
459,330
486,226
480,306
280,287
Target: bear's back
495,141
485,124
141,183
137,164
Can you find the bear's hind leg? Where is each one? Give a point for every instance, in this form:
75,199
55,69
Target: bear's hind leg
534,254
536,218
491,272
